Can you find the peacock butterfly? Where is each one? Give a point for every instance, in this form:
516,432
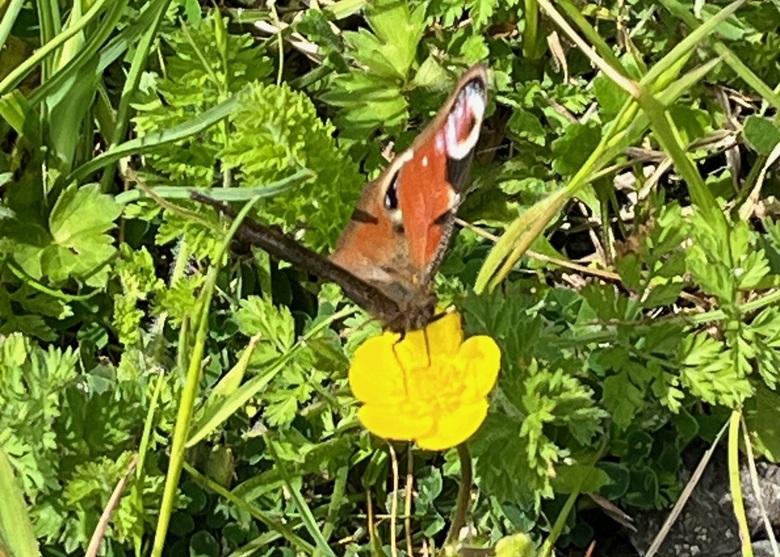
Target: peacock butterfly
389,252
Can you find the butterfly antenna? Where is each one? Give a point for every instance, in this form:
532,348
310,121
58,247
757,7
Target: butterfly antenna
427,346
400,364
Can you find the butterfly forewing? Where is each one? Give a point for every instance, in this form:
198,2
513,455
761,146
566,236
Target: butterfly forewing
404,219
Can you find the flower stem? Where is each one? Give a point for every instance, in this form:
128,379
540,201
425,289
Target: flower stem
464,494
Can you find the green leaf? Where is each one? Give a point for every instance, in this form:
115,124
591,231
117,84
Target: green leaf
622,398
203,544
16,532
574,147
399,28
709,371
78,224
763,421
663,294
430,74
474,49
583,478
761,134
277,132
516,545
481,10
609,95
524,125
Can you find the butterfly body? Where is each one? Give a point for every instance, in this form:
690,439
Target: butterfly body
390,250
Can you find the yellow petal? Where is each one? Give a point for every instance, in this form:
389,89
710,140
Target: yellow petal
390,422
374,374
445,335
479,359
455,427
439,338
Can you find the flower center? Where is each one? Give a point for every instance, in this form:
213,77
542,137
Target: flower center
436,388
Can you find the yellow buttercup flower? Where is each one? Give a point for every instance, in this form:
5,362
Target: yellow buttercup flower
430,387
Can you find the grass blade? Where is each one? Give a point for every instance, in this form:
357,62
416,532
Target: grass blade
685,46
137,66
300,503
626,127
754,483
735,484
734,62
67,76
9,18
220,194
235,400
126,38
148,142
15,527
189,391
273,525
575,15
685,495
22,70
665,134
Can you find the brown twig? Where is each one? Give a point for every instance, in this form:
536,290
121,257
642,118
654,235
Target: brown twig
105,517
684,496
408,499
394,503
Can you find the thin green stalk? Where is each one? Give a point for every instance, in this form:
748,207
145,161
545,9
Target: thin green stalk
248,390
747,307
748,76
202,58
574,13
125,38
662,128
9,18
49,23
253,547
531,33
464,494
309,522
220,194
272,524
143,144
560,522
22,70
189,391
137,67
685,46
755,484
143,448
735,484
40,287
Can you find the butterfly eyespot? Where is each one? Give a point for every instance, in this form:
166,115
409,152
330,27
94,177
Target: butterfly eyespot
391,195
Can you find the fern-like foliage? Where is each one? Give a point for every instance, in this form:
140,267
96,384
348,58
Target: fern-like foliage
69,441
277,132
274,133
205,65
